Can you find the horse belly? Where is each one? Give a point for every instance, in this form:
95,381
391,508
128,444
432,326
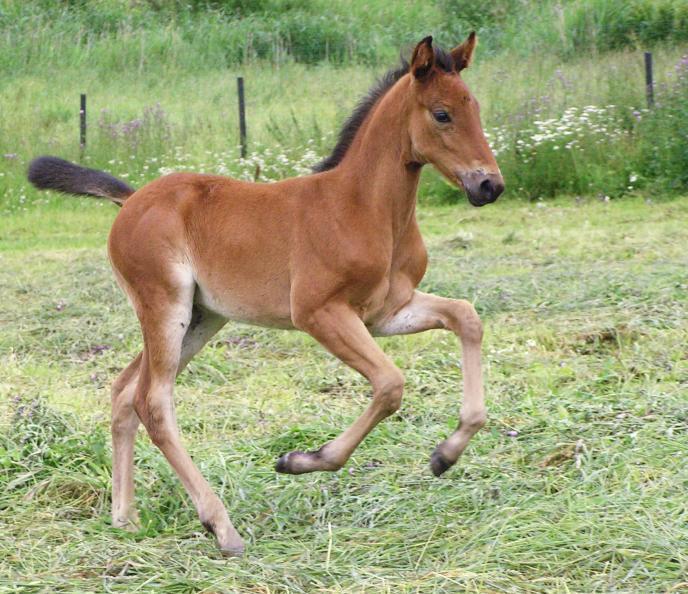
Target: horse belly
256,298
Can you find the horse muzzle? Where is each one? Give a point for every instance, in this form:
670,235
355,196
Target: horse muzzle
482,188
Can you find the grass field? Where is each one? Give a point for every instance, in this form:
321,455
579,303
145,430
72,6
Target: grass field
577,484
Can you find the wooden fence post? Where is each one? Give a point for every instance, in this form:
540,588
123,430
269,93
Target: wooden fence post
242,115
649,84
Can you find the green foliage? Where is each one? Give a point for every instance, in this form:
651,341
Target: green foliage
233,7
159,78
482,14
217,33
588,150
664,133
45,456
207,34
614,24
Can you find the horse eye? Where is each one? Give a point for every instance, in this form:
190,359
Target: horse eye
441,116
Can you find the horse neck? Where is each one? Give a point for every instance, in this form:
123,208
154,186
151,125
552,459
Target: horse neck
378,170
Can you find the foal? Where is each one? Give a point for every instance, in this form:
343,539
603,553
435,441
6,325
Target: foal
337,254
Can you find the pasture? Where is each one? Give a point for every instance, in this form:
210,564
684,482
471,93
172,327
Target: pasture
577,484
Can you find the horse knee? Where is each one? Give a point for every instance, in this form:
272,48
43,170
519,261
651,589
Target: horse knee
470,326
389,392
150,408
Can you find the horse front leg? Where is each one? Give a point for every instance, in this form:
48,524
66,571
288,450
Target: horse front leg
427,312
341,331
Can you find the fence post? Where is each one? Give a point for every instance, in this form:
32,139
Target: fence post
242,115
649,84
82,123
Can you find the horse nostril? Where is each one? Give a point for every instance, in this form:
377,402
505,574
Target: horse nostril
486,188
481,187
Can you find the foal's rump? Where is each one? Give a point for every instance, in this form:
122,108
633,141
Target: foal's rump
231,236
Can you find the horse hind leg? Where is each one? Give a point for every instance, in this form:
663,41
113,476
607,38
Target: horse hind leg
124,424
164,305
204,324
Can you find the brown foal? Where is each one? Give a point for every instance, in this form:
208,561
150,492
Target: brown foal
337,254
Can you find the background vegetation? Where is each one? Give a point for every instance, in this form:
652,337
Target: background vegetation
160,78
577,484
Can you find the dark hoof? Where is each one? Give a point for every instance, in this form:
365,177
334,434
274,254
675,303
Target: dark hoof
283,464
439,464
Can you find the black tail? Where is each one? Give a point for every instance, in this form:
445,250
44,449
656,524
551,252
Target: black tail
51,173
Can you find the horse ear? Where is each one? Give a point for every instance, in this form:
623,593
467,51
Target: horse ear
423,59
463,54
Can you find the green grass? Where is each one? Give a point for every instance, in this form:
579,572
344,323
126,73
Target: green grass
121,35
584,301
586,311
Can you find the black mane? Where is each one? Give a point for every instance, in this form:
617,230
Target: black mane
443,60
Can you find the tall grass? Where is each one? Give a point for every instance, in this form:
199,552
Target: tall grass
119,35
